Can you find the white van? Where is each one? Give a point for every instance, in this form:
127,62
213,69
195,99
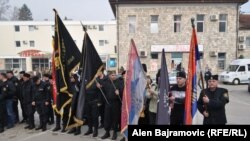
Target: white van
237,72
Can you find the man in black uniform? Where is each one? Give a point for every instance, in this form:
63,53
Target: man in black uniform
16,95
207,76
21,73
92,111
113,91
41,101
50,108
212,101
27,97
177,99
8,90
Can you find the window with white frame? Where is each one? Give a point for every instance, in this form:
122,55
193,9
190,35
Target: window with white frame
221,60
200,23
18,44
248,42
101,27
177,23
31,27
17,28
15,63
32,43
101,42
154,24
132,23
222,22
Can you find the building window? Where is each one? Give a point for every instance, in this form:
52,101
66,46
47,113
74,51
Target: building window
154,24
53,28
248,42
17,28
177,23
101,42
222,22
31,27
201,55
32,43
101,27
15,63
112,62
154,55
200,23
40,64
221,60
132,23
18,44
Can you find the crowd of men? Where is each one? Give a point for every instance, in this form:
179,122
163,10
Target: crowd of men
103,101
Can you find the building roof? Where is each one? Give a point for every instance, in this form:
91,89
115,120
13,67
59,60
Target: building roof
244,21
114,2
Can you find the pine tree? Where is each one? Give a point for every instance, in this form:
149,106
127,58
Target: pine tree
25,13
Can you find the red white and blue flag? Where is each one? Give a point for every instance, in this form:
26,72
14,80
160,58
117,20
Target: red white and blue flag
191,89
134,91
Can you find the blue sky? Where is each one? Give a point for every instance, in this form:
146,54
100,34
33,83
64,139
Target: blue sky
94,10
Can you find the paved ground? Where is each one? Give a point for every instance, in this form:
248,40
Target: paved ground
238,112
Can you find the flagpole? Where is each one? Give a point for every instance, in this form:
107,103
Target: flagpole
102,93
201,73
115,89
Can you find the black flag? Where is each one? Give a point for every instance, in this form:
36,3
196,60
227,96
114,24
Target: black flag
66,58
91,66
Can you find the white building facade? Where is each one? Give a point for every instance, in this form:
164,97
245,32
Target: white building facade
27,45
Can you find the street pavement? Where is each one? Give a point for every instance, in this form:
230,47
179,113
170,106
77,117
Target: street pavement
237,110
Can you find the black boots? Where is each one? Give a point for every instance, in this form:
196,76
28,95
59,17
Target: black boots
39,127
114,137
57,128
77,131
106,135
90,131
95,133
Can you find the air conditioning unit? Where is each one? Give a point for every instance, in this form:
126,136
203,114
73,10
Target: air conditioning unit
212,54
25,42
241,46
94,27
106,41
241,38
213,17
143,54
36,27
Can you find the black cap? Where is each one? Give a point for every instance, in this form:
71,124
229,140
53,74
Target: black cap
213,77
35,79
10,71
4,75
46,75
181,74
124,72
22,72
26,75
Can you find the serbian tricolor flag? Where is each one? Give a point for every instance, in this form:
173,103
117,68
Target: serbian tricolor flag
191,88
134,91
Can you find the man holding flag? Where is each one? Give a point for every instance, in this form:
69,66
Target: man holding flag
66,59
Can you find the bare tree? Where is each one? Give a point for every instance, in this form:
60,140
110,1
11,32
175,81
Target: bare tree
4,7
15,14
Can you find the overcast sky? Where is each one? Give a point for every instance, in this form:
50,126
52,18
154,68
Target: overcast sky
91,10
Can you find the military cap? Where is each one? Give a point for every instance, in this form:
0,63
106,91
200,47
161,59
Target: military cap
46,75
10,71
213,77
181,74
35,79
26,75
22,72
